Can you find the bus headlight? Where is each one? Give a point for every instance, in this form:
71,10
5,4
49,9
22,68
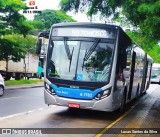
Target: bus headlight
49,89
47,86
106,93
103,94
53,92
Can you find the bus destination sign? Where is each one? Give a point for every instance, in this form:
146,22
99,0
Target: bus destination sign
83,32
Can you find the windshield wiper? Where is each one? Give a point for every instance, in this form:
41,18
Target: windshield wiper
71,59
67,49
69,54
90,51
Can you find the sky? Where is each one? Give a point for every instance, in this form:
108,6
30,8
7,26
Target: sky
53,4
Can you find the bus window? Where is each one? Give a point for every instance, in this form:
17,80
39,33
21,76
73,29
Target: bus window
82,60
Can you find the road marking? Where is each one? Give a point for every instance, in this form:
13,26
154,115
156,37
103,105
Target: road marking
20,114
10,98
118,119
25,113
121,117
114,122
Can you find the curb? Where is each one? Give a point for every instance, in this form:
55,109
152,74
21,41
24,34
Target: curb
24,86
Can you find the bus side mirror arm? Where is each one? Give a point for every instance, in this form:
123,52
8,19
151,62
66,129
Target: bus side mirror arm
38,46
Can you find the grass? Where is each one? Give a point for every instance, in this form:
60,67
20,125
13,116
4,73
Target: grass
21,82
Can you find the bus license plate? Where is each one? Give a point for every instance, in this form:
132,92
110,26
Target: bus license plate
73,105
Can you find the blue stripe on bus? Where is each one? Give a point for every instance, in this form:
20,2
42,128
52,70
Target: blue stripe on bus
153,77
75,93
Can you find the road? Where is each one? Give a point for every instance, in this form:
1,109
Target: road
21,100
24,108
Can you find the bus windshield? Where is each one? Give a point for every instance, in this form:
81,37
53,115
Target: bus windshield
155,72
81,59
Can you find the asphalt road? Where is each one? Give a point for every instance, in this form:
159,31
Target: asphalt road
25,108
21,100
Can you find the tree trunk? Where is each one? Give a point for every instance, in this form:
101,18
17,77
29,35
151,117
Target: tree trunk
7,66
7,74
25,67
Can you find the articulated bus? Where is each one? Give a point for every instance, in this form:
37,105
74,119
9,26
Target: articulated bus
94,66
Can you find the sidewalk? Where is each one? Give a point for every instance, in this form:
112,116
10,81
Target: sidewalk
40,84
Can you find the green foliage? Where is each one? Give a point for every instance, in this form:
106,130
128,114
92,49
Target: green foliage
142,13
145,14
27,44
68,5
15,47
105,7
10,50
30,42
50,17
21,82
148,44
11,20
37,24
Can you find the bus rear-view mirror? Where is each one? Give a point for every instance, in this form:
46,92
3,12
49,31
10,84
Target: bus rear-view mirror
38,46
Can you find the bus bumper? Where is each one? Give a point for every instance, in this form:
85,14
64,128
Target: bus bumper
155,80
102,105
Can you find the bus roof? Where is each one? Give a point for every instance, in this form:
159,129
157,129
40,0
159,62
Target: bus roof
156,65
86,24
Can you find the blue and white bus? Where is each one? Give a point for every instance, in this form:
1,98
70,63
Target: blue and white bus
93,66
155,75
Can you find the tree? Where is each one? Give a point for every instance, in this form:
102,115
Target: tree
11,20
50,17
10,50
148,44
142,13
15,47
38,26
145,14
91,7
